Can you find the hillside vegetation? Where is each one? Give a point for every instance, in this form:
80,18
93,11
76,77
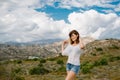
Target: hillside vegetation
99,61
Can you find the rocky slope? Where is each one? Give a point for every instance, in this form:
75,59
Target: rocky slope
100,61
10,52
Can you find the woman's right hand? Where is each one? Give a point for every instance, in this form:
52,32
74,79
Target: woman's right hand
65,42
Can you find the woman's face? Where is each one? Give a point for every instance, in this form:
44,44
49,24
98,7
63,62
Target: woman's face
74,37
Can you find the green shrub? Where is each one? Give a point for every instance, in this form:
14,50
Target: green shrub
60,62
96,63
42,61
102,53
40,65
102,61
86,67
106,39
93,54
115,47
38,71
99,49
17,70
35,59
18,61
19,78
62,69
84,63
51,59
115,58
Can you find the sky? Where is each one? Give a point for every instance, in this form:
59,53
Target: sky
31,20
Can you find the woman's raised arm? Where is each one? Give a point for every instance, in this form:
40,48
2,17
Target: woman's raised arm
63,43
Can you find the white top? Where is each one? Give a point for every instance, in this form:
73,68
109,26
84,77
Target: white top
73,53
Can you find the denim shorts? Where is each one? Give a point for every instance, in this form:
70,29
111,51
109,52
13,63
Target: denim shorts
72,67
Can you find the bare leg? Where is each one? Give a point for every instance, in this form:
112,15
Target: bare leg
71,75
68,72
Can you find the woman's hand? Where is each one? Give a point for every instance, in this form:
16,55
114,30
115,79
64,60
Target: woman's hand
65,42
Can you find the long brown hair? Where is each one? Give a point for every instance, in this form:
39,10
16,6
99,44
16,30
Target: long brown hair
76,33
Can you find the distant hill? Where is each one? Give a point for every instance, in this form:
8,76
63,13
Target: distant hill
36,42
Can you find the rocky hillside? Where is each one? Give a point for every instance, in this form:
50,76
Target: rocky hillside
10,52
106,46
23,52
100,61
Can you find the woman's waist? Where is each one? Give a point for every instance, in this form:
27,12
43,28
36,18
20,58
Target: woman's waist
75,62
72,64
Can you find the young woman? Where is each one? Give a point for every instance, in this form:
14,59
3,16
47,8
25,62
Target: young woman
73,51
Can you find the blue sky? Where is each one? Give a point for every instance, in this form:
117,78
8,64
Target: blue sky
30,20
58,13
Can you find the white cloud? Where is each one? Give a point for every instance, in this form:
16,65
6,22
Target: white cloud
79,3
95,24
22,23
83,4
117,8
98,33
